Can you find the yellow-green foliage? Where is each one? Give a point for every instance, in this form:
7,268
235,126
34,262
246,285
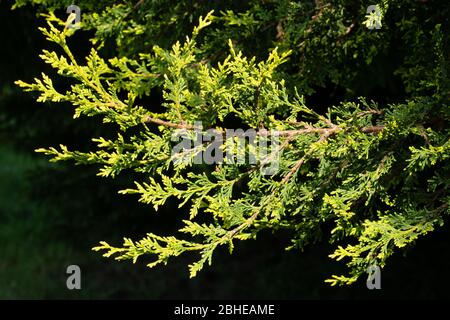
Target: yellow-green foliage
377,172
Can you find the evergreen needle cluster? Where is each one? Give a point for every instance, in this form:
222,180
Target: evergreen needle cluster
369,176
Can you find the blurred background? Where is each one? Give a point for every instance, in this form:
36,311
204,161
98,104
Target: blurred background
51,215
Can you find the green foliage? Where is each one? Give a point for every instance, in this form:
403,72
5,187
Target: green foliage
377,172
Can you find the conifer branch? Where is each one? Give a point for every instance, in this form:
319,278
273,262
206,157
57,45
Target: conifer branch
352,144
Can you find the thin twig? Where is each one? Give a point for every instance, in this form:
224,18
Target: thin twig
168,124
363,113
140,2
265,133
294,169
349,29
424,134
247,223
372,129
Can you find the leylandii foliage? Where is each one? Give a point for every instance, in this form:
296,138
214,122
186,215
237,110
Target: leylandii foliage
378,173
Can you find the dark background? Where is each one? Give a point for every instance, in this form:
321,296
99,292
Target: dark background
51,215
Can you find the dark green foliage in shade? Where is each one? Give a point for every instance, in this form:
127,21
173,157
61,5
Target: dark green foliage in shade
369,173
